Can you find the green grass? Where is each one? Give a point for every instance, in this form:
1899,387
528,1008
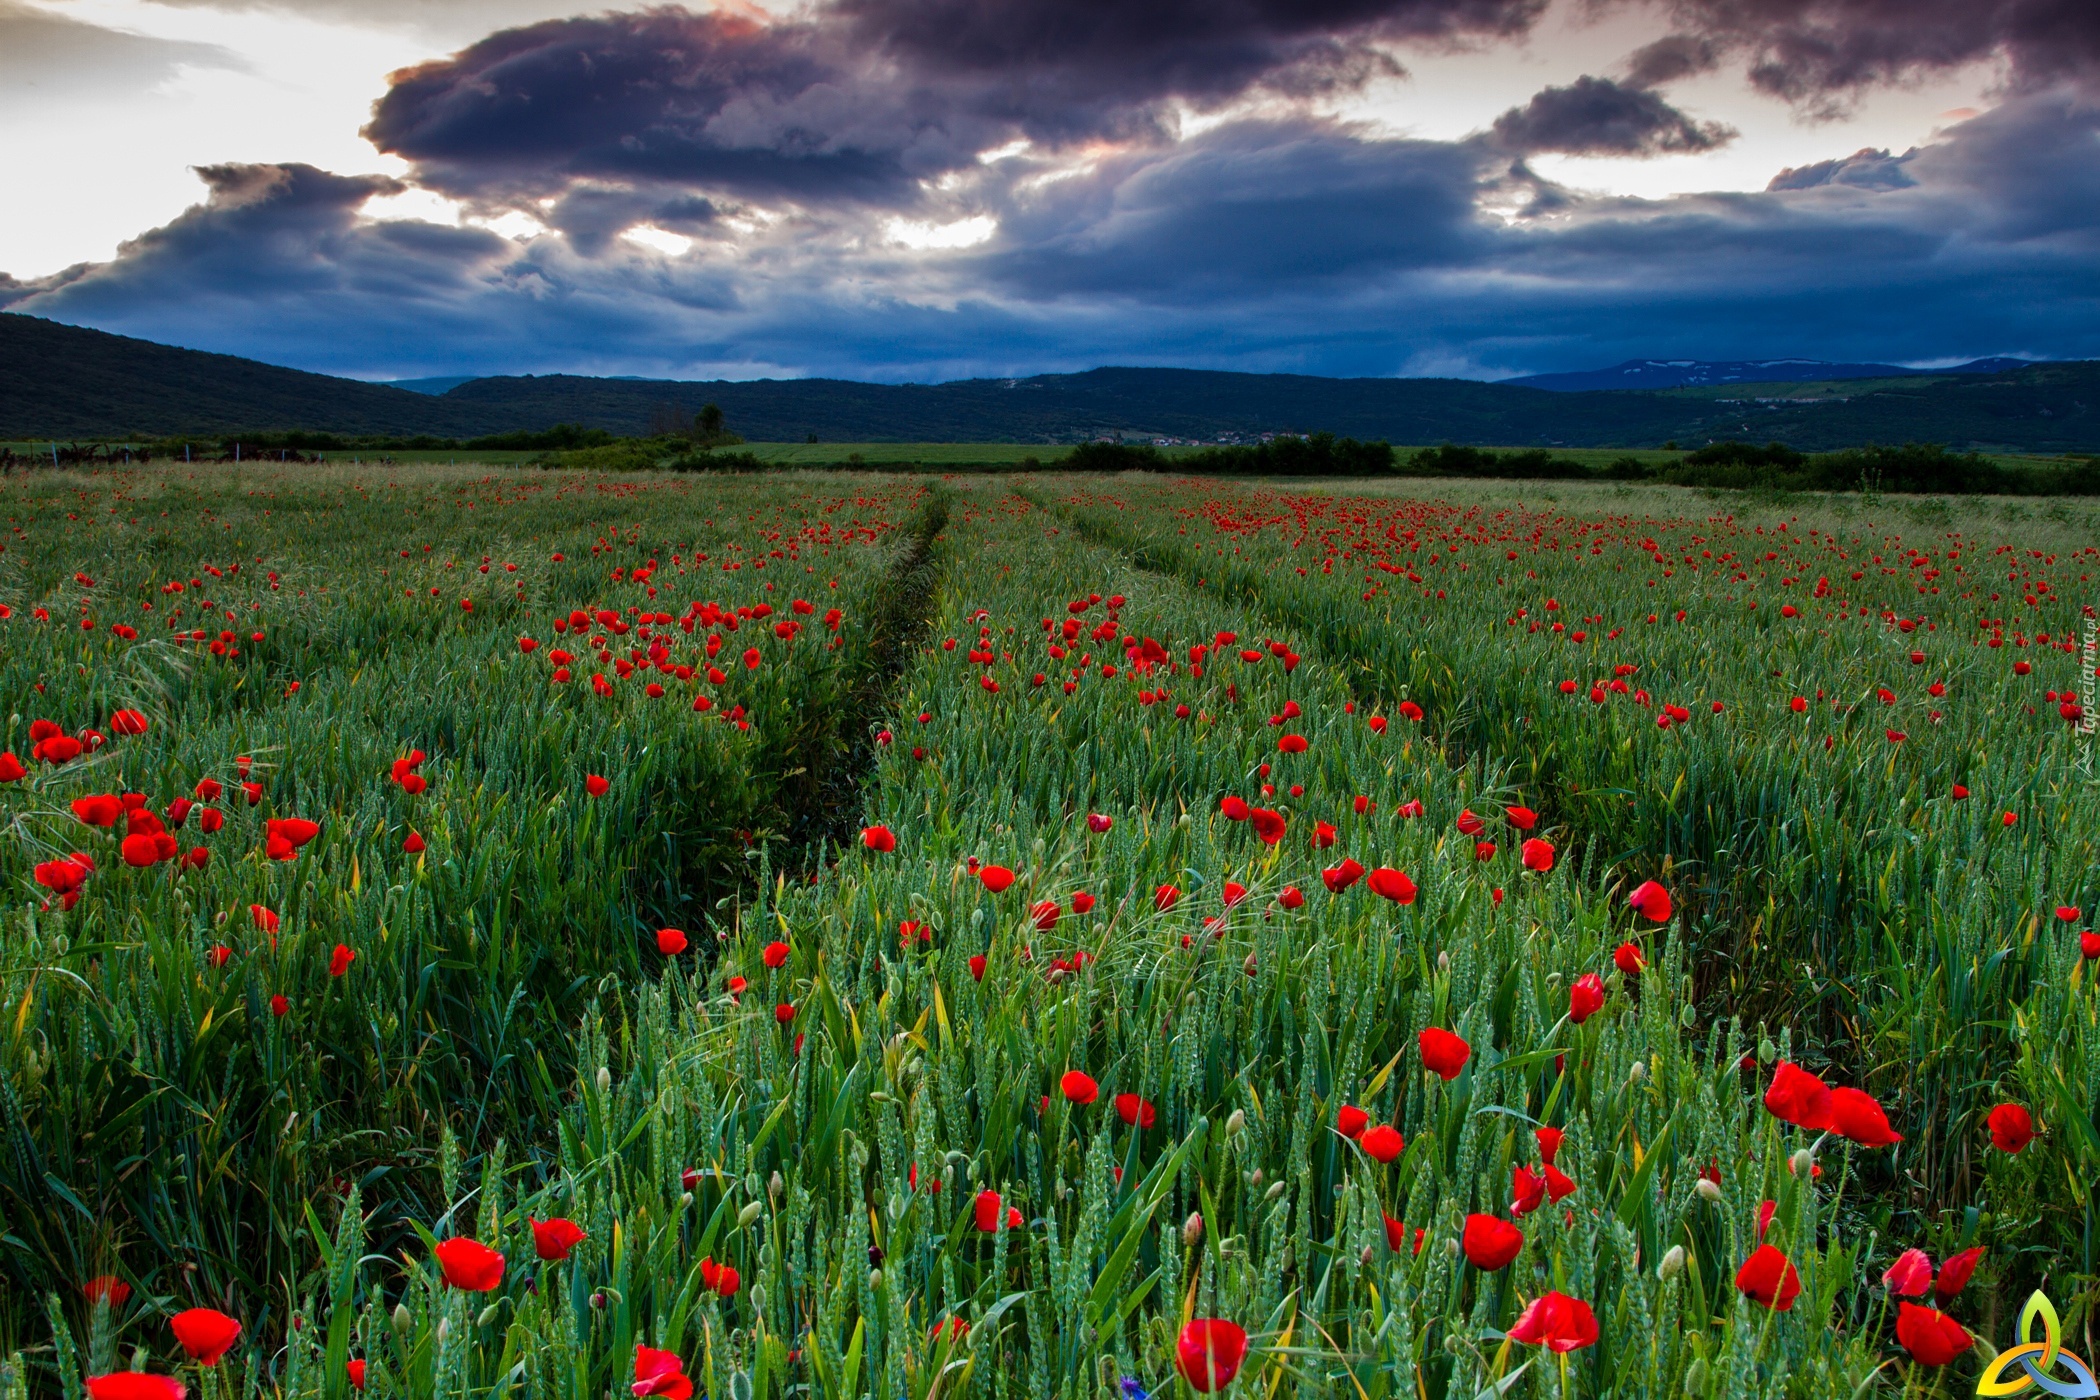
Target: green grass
1065,678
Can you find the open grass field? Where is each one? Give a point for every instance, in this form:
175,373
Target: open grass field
491,932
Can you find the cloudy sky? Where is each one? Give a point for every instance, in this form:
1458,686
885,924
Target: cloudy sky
932,189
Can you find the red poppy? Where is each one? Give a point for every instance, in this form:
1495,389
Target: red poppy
670,941
1522,818
205,1334
1527,1191
1490,1242
469,1264
1409,710
99,809
106,1288
1768,1279
1082,902
1469,823
1585,997
1045,913
722,1279
997,878
1234,809
1209,1353
1079,1087
1292,897
595,785
295,831
1165,897
1099,822
413,845
1910,1275
1396,1236
1627,958
1323,835
1382,1144
1351,1121
660,1373
339,961
775,954
1340,877
139,851
784,1013
1268,825
2012,1127
63,878
265,919
1651,901
280,1006
1538,855
1291,743
1556,1322
2068,913
134,1385
1798,1097
553,1239
878,838
356,1369
11,769
977,967
1855,1114
1549,1140
1137,1112
1559,1185
1930,1336
1389,883
1443,1053
127,722
987,1211
1954,1274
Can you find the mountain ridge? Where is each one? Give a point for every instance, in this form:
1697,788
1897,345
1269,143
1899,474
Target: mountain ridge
67,382
1678,374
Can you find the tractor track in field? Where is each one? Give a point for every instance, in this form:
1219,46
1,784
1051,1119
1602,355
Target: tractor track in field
1342,652
1723,917
822,804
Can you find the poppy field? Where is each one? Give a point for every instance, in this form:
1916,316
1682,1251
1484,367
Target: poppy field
516,933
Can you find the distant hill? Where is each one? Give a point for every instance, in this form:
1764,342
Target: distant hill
1677,374
67,382
64,382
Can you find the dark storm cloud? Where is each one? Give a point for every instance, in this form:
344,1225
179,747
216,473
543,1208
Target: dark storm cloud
863,100
1081,53
46,57
591,216
1247,205
1596,116
1257,245
715,100
1818,51
274,235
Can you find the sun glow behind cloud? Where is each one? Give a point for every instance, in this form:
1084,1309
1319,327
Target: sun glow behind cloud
962,233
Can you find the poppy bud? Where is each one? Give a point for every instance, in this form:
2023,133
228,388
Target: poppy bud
1708,1189
1192,1229
1672,1263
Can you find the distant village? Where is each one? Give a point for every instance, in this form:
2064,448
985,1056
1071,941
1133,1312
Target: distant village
1221,440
